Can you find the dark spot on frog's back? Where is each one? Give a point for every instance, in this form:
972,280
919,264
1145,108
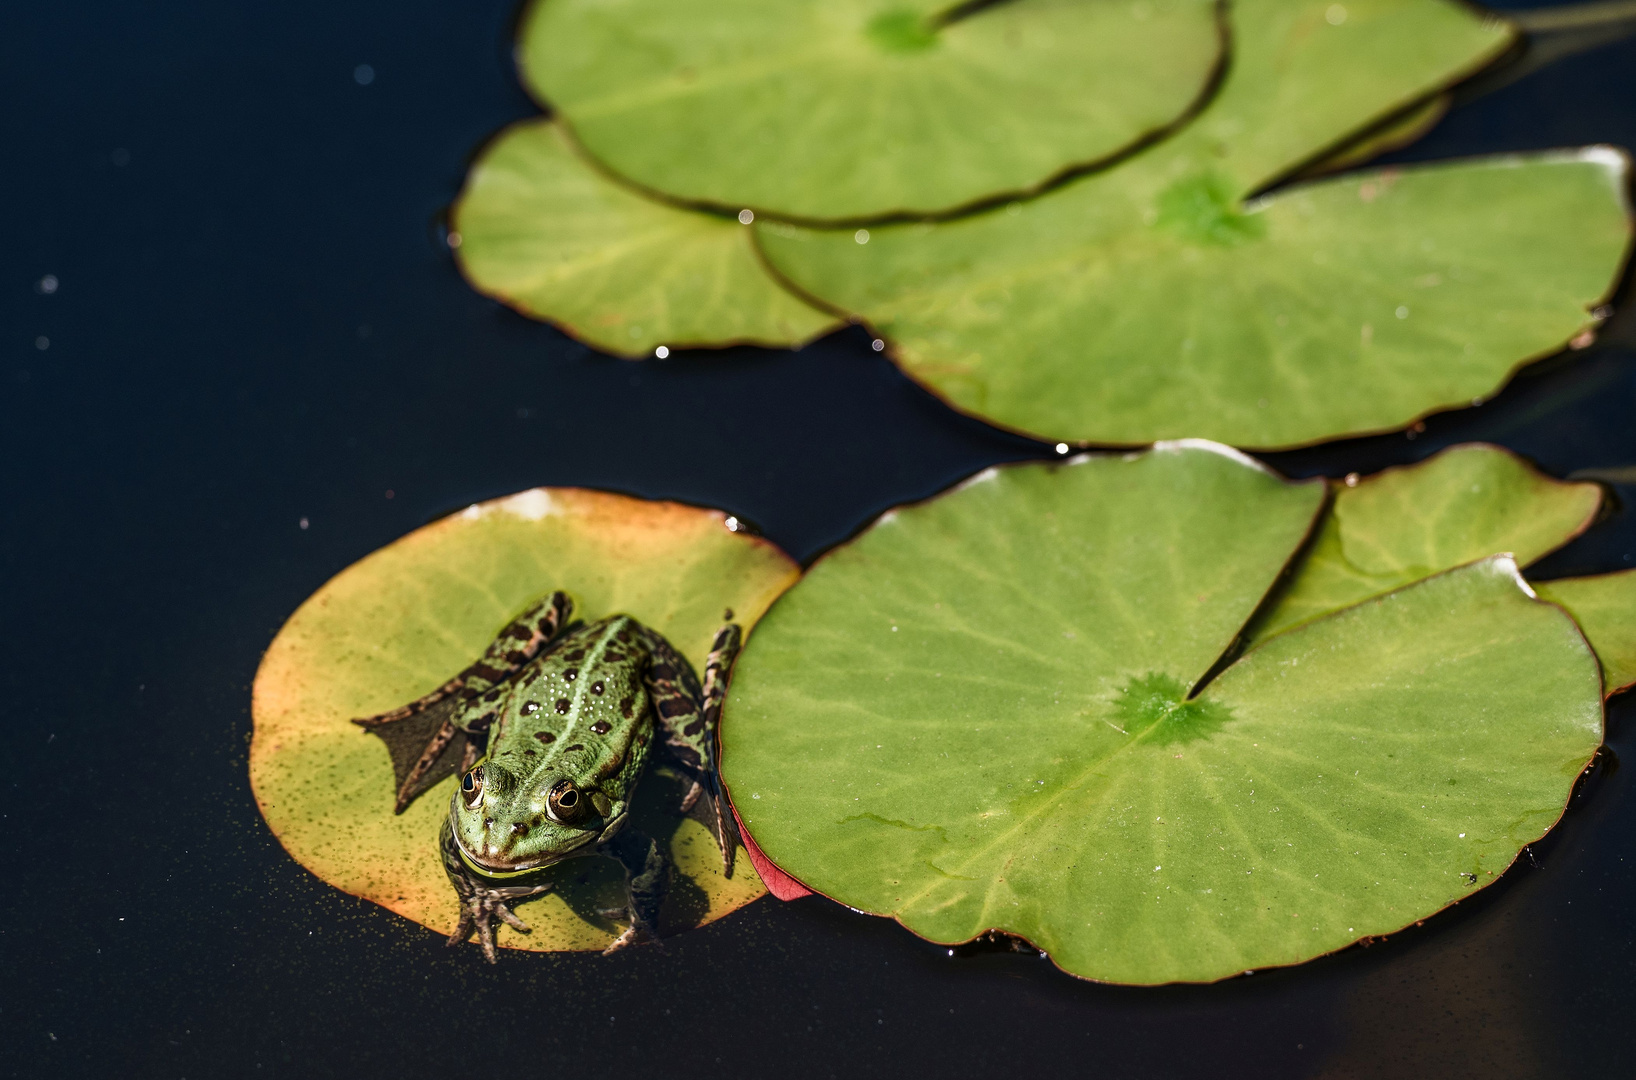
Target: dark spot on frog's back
596,687
521,633
570,675
674,707
574,656
602,727
663,672
625,706
562,704
517,657
571,749
545,737
613,657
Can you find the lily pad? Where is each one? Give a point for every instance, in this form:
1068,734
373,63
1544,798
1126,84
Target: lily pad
1604,605
1150,300
976,716
544,232
858,108
1401,525
399,622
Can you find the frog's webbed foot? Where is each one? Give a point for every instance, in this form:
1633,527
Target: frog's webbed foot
444,732
480,902
647,878
424,741
479,908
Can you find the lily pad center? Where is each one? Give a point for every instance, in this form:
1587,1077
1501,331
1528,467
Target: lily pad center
901,31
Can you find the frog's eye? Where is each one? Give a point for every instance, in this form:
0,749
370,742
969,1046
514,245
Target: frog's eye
565,803
471,786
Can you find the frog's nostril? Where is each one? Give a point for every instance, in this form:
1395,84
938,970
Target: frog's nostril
520,829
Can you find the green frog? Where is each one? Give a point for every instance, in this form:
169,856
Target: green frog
551,730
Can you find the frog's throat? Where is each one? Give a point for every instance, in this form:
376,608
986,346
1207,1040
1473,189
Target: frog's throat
499,873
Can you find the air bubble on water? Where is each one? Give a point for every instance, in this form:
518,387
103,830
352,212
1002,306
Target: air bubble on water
47,285
42,343
363,74
1351,479
1402,311
878,345
861,236
304,523
1062,448
746,216
661,351
1335,15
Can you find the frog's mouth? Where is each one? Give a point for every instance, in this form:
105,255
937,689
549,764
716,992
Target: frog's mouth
505,868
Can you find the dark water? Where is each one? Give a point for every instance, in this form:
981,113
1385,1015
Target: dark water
255,323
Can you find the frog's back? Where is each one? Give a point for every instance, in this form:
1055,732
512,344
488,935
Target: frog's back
581,709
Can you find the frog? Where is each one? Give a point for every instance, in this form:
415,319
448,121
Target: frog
553,728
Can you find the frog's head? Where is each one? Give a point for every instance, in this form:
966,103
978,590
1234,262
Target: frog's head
506,822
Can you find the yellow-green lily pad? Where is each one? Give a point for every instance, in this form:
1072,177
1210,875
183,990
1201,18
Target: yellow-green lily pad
1152,300
851,109
983,714
400,621
1604,605
544,232
1388,530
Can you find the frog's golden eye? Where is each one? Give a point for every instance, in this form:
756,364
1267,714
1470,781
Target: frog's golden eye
565,804
471,786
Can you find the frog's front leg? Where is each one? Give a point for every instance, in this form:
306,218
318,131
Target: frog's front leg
480,902
647,878
418,734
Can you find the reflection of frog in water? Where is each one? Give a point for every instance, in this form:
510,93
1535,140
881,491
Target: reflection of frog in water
569,714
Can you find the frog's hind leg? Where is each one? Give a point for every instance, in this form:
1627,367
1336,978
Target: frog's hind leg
480,903
647,879
689,723
431,737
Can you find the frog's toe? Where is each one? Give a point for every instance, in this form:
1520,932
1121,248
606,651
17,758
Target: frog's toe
692,796
512,920
633,935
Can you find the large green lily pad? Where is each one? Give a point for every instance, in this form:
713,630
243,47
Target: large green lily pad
976,716
1151,301
849,109
399,622
1401,525
543,231
1605,607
